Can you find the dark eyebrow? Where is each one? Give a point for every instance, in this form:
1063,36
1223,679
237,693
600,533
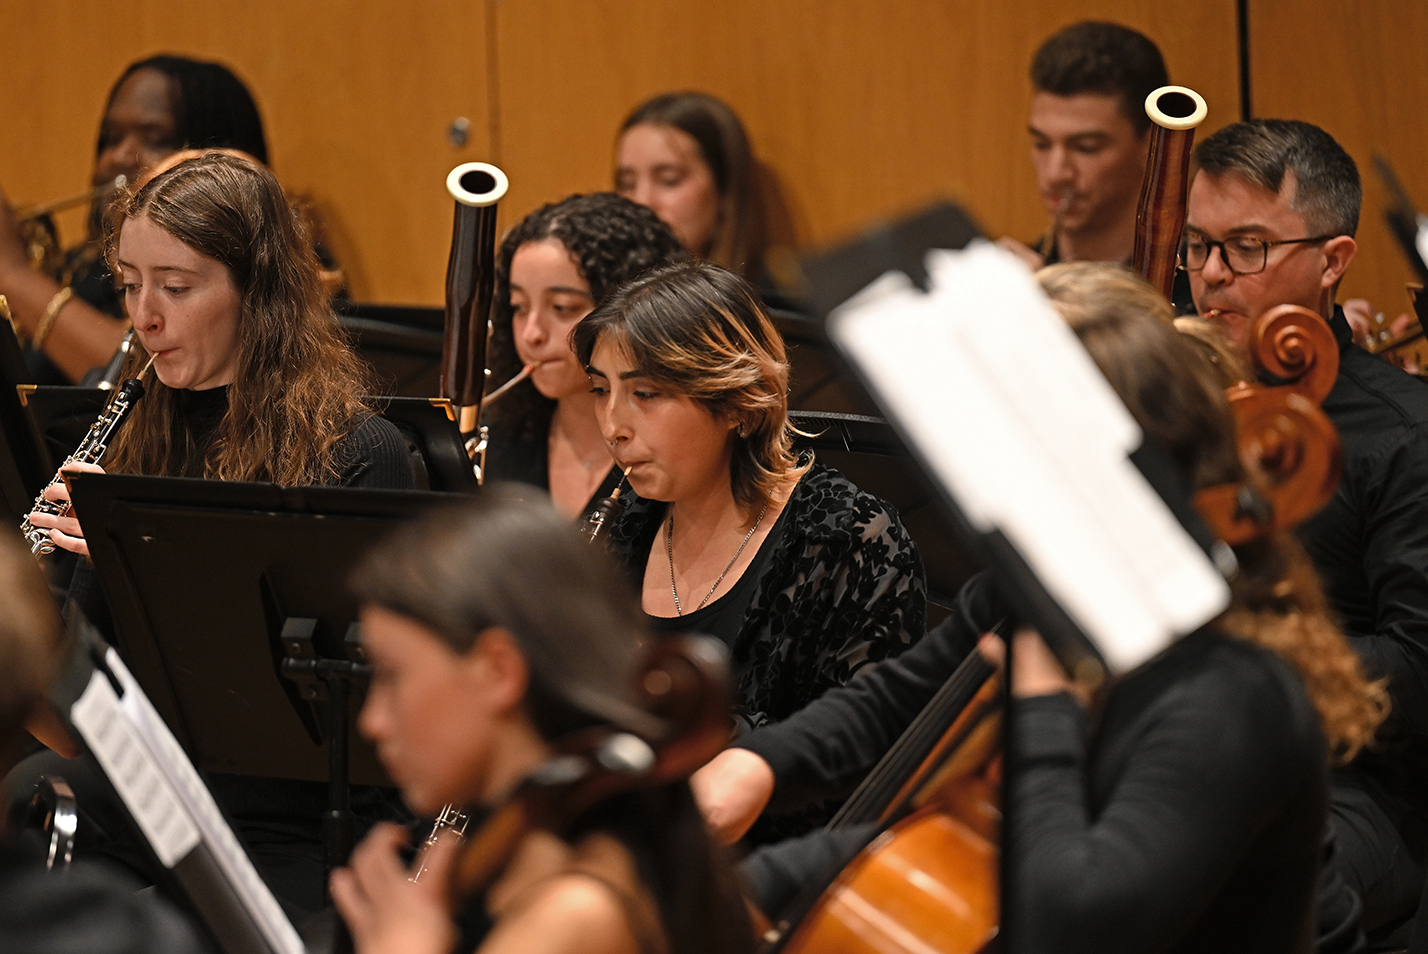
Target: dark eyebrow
637,373
1237,230
160,268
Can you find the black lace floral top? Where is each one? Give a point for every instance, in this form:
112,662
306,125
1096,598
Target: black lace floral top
843,589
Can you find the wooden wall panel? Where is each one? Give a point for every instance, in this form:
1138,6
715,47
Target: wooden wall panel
862,110
356,98
1358,73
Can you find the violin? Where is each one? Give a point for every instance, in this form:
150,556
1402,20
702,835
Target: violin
684,689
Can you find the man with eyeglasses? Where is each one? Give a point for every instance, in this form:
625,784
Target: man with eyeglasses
1272,213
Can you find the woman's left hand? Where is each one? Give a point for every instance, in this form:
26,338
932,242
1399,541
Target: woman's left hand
1035,670
386,912
64,529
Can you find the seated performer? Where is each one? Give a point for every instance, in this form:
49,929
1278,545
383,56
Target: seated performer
686,156
1192,818
553,268
807,579
494,632
1270,219
74,318
1089,135
87,908
251,380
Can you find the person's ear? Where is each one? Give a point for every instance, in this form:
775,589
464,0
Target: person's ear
1339,251
496,663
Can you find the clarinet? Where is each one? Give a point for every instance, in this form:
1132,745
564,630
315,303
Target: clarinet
90,450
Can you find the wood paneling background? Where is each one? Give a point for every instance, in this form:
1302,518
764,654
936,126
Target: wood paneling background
1358,73
859,110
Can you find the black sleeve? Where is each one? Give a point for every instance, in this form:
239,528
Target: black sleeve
375,455
1395,567
824,749
1201,774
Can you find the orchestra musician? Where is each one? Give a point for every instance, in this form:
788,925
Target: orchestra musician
251,380
806,578
494,632
686,155
1191,819
1271,219
158,105
1089,140
553,268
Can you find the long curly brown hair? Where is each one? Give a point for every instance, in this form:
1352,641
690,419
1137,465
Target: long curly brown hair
611,240
295,390
1173,391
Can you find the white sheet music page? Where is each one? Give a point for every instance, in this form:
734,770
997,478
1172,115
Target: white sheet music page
166,795
1015,420
237,868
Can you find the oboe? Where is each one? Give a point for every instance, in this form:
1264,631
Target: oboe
604,512
89,451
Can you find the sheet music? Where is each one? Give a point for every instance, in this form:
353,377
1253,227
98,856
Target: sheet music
166,795
1014,418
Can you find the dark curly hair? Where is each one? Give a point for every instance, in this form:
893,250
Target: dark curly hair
612,241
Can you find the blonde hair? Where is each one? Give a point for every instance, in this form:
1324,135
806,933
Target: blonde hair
698,330
1175,393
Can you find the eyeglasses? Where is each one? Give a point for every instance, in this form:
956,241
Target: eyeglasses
1243,254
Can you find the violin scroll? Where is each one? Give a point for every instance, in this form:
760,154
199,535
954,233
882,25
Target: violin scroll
1295,347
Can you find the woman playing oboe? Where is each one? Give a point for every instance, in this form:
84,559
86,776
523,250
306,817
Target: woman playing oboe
805,577
251,380
553,268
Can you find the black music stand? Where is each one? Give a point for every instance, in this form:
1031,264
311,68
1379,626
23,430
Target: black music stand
60,416
24,469
230,607
425,423
402,343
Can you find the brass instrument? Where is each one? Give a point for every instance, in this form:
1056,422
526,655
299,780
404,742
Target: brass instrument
470,288
89,451
37,229
1160,217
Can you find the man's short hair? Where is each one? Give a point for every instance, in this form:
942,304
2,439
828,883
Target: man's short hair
1106,58
1327,191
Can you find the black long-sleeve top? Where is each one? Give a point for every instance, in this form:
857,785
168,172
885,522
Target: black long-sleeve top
1370,545
1192,820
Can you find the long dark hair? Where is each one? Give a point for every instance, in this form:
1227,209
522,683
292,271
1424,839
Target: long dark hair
612,240
211,106
295,391
502,559
724,146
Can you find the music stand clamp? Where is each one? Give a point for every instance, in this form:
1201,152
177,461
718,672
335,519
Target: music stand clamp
322,679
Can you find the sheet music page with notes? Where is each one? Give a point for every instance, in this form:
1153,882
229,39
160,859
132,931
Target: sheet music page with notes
1006,408
166,795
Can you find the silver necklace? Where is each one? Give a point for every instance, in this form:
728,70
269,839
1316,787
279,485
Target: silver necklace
669,553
